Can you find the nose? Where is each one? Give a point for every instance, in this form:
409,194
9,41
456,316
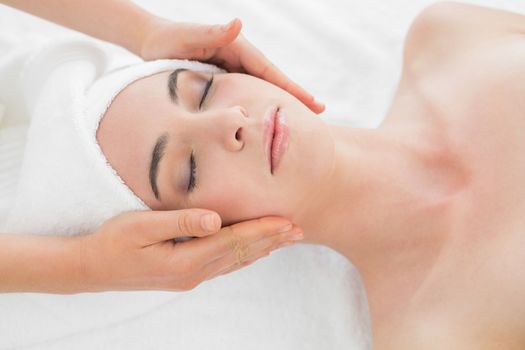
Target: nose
226,126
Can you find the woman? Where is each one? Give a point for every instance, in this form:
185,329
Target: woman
150,37
429,206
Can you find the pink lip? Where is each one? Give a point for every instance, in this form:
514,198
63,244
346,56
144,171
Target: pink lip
276,135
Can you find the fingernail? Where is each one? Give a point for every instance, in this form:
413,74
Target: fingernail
228,26
209,222
318,103
285,228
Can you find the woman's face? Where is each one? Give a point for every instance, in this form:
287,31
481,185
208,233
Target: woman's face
226,136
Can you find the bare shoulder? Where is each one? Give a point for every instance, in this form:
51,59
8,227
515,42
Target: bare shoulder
445,30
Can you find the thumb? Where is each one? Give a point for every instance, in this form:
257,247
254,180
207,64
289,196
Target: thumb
158,226
212,36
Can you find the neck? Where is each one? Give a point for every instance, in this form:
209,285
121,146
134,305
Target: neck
386,207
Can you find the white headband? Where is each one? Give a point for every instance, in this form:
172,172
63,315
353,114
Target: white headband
66,185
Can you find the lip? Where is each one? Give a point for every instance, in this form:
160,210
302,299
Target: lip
276,135
269,122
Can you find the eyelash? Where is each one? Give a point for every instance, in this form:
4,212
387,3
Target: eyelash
206,89
193,165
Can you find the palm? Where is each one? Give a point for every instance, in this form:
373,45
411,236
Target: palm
227,49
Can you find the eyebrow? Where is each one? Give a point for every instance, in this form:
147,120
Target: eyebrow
160,145
172,84
156,157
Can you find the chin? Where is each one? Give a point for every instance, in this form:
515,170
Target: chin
308,162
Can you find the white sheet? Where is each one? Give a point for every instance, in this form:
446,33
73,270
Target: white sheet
348,54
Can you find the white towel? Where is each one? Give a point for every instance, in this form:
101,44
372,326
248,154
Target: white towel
302,297
66,186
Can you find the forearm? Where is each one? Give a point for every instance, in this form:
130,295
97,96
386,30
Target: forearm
118,21
43,264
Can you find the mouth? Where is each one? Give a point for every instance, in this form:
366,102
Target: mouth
276,137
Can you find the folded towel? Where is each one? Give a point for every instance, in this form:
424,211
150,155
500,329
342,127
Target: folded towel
66,186
303,297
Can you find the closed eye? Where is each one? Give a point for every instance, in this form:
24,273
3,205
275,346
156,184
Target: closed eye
206,89
193,167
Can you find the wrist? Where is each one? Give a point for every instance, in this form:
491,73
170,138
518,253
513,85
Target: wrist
149,40
85,264
75,274
82,272
40,264
143,24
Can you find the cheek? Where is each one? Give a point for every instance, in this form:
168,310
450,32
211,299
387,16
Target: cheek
236,198
308,162
254,94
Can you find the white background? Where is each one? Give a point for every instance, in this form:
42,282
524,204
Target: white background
346,53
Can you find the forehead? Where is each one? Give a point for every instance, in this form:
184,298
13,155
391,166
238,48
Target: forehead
139,100
133,120
137,116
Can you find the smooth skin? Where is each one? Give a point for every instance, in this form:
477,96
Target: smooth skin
136,251
461,91
30,263
429,206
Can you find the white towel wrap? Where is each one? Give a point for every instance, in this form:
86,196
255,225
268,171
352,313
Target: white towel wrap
66,185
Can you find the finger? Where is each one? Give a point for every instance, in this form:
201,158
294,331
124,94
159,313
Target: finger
317,107
204,265
249,262
222,268
263,247
236,267
226,265
151,227
234,238
242,253
256,64
211,36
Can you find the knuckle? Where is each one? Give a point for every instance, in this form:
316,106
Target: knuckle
280,237
131,222
234,229
264,70
203,53
196,54
262,225
267,67
235,242
242,254
229,231
184,224
260,229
